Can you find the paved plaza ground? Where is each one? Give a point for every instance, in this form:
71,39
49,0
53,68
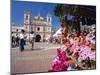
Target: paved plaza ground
30,61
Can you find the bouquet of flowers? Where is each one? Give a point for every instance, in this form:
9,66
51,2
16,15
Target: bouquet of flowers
60,61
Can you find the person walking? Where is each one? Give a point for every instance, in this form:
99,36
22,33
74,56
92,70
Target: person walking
21,42
17,40
13,40
32,39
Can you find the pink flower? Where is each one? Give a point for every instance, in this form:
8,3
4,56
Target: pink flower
86,52
60,61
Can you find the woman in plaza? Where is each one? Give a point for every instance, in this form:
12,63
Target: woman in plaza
32,39
21,42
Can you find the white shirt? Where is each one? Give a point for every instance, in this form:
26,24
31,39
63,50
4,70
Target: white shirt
21,36
70,69
32,36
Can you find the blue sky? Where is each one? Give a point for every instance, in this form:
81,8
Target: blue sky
18,8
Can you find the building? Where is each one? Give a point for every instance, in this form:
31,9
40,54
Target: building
41,26
16,29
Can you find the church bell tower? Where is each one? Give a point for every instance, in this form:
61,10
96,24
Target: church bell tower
27,21
49,19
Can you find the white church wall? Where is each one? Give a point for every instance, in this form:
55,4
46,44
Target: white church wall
47,36
47,29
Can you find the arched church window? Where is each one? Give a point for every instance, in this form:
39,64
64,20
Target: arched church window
26,17
32,28
49,19
48,29
26,27
17,30
38,29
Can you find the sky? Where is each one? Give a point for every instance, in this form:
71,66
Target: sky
18,8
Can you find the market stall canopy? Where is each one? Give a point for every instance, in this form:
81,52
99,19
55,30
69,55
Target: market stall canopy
57,33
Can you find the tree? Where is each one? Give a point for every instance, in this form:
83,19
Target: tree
61,10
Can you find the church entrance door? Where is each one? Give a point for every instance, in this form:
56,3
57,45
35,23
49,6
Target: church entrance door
38,38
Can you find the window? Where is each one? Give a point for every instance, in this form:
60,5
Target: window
26,17
31,28
49,19
49,29
26,27
38,29
16,30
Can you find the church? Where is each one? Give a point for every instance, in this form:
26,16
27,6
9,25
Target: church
42,26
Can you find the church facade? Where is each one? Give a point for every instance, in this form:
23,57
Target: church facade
42,26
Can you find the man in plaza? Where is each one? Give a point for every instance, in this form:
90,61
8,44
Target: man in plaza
32,39
21,43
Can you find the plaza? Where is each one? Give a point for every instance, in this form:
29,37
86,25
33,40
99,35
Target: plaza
30,61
